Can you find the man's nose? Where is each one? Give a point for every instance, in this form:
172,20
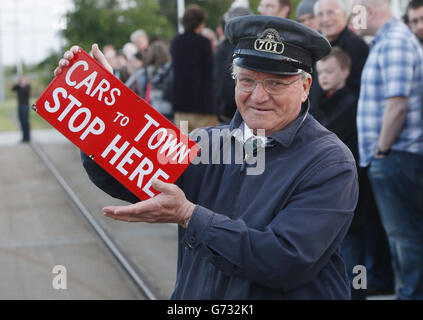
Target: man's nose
324,18
259,95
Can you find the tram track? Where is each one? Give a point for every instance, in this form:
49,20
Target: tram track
135,275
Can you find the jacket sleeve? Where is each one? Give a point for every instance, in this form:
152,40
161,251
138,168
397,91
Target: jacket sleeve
103,180
296,245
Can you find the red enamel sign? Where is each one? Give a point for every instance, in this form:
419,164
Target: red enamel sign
116,128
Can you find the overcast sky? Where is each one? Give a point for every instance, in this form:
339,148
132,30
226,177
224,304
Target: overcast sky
29,28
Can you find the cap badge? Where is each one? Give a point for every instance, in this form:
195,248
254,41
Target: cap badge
269,41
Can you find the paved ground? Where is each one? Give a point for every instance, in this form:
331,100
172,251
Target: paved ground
152,247
41,136
40,229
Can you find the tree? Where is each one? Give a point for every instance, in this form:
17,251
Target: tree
46,67
214,8
147,15
112,22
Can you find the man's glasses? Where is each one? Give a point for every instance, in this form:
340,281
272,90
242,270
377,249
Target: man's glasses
271,86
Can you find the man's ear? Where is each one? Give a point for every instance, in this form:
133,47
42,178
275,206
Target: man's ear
306,87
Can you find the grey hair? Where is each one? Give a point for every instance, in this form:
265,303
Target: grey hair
234,70
344,5
138,33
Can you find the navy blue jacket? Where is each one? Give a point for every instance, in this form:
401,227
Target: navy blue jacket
276,235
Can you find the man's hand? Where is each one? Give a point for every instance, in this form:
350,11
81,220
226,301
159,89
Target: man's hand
171,206
70,54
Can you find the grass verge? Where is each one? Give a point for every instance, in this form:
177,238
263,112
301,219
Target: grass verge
9,117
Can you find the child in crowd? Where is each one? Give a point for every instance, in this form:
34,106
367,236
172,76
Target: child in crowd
337,109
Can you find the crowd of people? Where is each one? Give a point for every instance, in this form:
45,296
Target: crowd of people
367,90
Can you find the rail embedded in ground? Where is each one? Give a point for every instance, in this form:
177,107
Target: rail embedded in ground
132,271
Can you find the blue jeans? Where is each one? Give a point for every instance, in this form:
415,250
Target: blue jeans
23,115
397,182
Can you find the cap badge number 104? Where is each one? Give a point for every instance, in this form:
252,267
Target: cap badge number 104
269,41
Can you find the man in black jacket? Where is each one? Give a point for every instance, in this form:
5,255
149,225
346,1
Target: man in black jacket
192,59
23,90
332,20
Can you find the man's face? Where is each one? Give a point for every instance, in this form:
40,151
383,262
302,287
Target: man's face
22,80
308,20
261,110
415,18
141,43
330,75
331,19
273,8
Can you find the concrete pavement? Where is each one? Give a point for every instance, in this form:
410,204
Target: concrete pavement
39,229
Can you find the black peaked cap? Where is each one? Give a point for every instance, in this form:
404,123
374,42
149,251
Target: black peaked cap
275,45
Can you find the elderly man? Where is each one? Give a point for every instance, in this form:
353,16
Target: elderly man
274,235
332,20
140,39
415,18
275,8
390,134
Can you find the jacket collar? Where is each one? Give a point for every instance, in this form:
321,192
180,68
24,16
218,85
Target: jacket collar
284,136
340,37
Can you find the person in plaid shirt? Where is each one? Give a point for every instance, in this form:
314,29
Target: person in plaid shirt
390,133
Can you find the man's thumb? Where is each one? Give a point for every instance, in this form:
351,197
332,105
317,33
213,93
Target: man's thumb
99,56
162,186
